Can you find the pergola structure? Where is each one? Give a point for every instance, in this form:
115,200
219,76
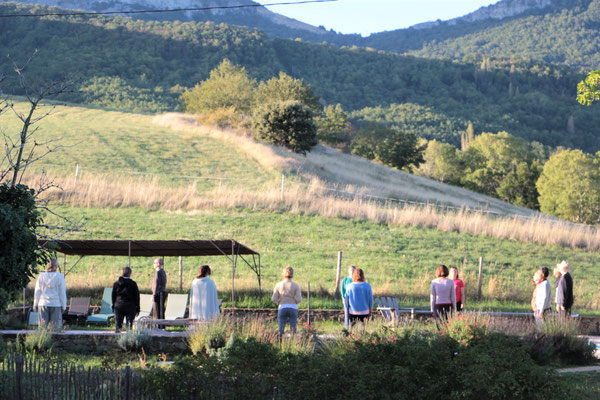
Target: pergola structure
229,248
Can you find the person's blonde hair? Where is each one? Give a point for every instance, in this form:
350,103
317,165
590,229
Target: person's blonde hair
288,272
453,274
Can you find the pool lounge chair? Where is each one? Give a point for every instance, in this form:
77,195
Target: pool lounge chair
145,306
176,306
105,313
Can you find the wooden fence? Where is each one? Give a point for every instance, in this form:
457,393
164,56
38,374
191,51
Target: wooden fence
23,378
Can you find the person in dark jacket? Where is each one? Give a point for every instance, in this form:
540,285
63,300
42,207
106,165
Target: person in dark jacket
564,290
159,289
125,299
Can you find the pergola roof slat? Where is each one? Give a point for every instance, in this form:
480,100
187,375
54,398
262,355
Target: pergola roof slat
149,248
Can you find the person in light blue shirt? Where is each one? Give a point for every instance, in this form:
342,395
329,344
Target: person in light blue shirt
360,297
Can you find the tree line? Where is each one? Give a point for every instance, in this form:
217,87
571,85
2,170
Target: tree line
146,65
285,111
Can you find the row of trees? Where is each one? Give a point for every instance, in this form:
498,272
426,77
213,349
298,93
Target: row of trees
431,98
285,111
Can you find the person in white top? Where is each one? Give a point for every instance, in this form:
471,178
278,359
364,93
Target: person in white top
443,294
542,295
50,296
204,303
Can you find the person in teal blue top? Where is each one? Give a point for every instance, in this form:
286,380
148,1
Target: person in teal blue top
347,280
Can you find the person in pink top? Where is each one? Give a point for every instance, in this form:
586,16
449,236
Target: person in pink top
459,285
443,294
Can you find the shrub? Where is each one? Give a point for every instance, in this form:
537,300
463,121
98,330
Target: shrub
134,339
38,341
559,343
466,329
288,124
207,337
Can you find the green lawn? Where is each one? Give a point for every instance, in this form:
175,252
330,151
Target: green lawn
103,141
398,261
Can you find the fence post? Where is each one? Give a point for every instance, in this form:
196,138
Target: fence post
76,174
282,186
480,277
338,274
180,273
127,383
308,299
19,376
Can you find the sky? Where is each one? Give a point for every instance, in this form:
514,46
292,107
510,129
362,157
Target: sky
369,16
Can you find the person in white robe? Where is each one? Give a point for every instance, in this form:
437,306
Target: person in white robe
204,300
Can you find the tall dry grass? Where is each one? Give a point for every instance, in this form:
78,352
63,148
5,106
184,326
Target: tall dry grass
315,199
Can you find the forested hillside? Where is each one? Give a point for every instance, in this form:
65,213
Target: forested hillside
139,65
565,34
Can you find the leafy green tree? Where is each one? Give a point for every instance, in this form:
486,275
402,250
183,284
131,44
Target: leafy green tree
228,86
19,251
333,126
388,146
289,124
442,163
502,166
588,90
286,88
569,186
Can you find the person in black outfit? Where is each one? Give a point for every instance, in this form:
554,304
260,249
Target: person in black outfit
125,299
159,291
564,290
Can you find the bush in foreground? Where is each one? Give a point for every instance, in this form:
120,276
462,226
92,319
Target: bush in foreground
407,364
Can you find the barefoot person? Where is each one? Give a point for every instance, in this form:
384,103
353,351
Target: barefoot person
204,303
287,296
50,296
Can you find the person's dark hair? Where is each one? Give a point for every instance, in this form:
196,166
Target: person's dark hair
546,272
441,271
203,272
358,275
126,271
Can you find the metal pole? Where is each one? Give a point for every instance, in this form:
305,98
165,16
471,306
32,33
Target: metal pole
129,253
180,273
232,275
282,186
24,314
480,277
338,275
308,299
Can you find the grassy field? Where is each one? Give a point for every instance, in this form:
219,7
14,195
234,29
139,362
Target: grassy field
398,261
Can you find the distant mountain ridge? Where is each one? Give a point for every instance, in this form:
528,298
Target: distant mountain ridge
243,16
500,10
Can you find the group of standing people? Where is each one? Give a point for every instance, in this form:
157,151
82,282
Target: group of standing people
50,296
542,294
447,295
204,302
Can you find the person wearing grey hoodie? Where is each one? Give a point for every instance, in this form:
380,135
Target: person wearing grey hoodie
50,296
